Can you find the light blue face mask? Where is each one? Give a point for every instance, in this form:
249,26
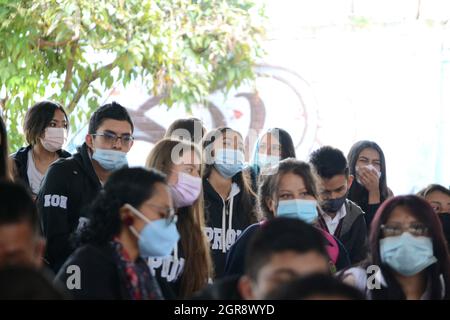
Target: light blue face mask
110,159
264,160
158,238
406,254
228,162
302,209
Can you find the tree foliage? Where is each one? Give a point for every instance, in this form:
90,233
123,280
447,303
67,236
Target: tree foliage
72,51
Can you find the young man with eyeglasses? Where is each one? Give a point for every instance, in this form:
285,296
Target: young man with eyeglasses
71,184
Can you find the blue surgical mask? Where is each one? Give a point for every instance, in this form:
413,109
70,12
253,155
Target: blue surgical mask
264,160
406,254
158,238
302,209
110,159
228,162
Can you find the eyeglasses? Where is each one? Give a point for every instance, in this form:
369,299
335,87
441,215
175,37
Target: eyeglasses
169,213
111,138
393,230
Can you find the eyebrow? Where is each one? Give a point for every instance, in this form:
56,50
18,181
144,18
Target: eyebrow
122,134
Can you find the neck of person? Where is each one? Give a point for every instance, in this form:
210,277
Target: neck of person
220,184
413,286
102,174
42,155
129,243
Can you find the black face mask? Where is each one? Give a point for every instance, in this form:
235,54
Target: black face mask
445,221
333,205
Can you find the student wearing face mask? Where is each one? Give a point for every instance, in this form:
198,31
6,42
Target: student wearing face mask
272,147
71,184
340,217
367,164
439,198
408,252
46,128
229,199
291,192
130,220
189,267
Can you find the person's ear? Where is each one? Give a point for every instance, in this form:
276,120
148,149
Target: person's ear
245,289
271,205
89,139
350,180
126,216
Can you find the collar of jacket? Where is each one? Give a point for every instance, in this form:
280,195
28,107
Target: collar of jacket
84,160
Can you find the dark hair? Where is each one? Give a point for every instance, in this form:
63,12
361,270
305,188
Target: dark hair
128,185
111,110
24,283
357,192
242,179
285,140
422,210
38,117
191,125
17,205
269,185
432,188
329,162
315,285
280,235
4,167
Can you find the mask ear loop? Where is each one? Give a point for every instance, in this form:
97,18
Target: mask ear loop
140,215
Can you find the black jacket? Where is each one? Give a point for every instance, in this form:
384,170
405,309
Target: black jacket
353,232
99,275
214,206
235,262
223,289
68,188
21,161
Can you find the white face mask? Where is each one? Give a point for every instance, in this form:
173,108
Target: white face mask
54,139
370,167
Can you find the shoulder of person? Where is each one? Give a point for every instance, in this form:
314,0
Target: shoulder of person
64,154
353,208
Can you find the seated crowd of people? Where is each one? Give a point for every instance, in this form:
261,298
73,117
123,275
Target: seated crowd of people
199,222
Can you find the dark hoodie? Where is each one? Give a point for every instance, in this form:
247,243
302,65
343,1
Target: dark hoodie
68,188
21,162
219,214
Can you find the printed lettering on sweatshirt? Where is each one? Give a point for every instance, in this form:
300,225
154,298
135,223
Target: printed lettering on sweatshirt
54,200
214,236
168,267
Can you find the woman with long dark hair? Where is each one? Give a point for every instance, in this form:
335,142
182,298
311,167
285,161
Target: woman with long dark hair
273,146
367,164
229,199
130,220
409,257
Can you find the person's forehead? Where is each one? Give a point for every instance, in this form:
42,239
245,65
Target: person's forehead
116,126
334,182
401,214
438,196
293,261
370,153
16,233
291,180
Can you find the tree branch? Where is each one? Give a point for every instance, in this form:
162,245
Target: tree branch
69,69
84,85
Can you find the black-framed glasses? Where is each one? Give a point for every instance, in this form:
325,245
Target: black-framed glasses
396,229
111,138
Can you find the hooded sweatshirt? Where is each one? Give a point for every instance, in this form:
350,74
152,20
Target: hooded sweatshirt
69,186
225,221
